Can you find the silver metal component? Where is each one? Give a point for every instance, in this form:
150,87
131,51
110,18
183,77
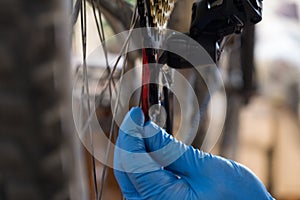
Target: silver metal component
158,114
213,3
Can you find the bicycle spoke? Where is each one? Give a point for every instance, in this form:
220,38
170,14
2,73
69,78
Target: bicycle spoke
109,85
85,88
112,128
100,30
75,12
106,84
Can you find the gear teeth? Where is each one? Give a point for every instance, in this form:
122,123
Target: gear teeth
160,11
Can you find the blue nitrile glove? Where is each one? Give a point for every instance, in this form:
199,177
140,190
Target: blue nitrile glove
172,170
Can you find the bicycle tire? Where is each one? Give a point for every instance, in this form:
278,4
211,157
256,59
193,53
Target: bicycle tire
34,145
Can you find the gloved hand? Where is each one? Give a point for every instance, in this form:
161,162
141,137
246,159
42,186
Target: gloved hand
151,164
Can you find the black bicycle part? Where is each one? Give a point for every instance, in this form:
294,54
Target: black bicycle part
212,20
224,18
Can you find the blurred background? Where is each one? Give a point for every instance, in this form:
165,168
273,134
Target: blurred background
41,56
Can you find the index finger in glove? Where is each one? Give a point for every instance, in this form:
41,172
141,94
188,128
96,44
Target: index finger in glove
130,152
